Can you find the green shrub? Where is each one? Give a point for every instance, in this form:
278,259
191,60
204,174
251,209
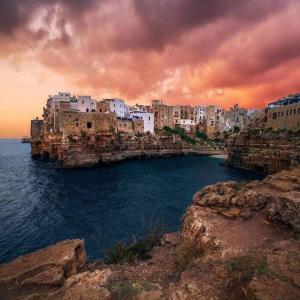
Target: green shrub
136,249
201,135
181,132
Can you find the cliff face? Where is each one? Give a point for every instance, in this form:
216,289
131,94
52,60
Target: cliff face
91,150
264,151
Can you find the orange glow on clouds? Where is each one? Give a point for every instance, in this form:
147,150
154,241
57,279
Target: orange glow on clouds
189,52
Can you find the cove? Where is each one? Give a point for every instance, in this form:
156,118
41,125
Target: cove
41,204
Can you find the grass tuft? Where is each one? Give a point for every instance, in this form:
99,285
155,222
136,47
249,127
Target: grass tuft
137,248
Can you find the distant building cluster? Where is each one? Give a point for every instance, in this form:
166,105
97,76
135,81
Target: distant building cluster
66,114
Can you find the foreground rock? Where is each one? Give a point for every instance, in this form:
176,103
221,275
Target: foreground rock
238,217
237,241
43,270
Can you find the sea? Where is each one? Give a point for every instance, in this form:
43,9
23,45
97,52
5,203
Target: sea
41,204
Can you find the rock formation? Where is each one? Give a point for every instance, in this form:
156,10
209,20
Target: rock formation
264,150
93,149
238,240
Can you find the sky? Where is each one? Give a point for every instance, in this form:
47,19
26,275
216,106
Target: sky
182,51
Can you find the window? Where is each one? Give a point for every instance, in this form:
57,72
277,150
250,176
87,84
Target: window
87,110
76,124
89,124
82,102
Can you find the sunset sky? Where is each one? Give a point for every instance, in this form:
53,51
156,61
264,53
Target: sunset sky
181,51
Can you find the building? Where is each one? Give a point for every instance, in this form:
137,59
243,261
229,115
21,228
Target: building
83,104
187,124
235,117
118,106
130,126
102,106
214,120
284,113
156,102
36,129
147,117
163,116
76,123
200,115
256,118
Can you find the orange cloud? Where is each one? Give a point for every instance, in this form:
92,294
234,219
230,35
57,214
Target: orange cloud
188,52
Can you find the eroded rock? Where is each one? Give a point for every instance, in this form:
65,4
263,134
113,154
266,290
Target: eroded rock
43,270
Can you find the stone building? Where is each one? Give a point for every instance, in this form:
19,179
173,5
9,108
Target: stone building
102,106
284,113
130,126
214,120
36,129
163,116
235,117
76,123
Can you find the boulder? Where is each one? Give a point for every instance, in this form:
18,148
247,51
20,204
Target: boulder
44,270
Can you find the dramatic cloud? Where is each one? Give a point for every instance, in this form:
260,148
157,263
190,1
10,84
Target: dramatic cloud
191,51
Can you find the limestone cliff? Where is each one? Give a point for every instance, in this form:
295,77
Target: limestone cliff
237,241
90,150
264,150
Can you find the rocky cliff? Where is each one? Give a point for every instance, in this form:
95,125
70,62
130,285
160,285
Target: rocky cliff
238,240
90,150
264,150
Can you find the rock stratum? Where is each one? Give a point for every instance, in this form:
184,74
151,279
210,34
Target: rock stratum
93,149
238,240
264,150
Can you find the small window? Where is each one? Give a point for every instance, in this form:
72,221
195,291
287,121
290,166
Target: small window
87,110
76,124
89,124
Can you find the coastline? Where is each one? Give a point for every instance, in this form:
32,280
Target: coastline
214,249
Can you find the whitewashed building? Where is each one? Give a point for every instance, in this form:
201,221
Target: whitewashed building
147,117
84,104
118,106
61,97
187,124
200,114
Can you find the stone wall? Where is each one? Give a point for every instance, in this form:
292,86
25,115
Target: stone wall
89,123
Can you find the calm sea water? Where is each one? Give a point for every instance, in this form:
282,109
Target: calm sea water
41,204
